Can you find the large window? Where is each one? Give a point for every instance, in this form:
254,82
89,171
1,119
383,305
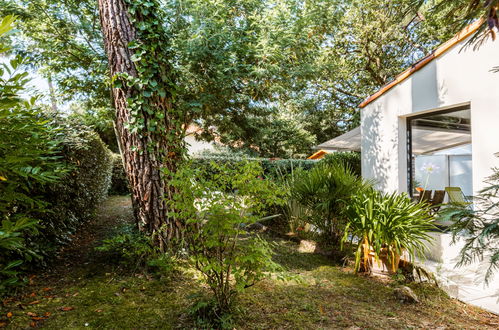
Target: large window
439,151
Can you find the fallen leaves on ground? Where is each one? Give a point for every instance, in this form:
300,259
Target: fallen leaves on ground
66,309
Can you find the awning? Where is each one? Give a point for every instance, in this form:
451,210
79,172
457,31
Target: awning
424,141
350,141
430,141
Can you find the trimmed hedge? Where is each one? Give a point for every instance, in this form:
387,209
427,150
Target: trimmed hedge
273,168
73,200
350,159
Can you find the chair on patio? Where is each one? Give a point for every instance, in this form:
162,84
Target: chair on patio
437,200
456,196
425,196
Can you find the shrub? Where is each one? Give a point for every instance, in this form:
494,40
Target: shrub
350,159
29,145
119,181
272,169
135,250
388,224
75,198
216,211
325,191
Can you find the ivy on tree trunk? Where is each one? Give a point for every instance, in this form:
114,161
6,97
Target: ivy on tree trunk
151,131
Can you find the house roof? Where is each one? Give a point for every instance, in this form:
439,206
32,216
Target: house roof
464,34
318,155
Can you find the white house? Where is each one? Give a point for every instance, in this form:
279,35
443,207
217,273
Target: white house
437,125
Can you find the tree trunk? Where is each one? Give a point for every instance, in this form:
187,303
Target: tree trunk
144,153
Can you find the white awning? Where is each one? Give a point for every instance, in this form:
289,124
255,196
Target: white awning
350,141
423,141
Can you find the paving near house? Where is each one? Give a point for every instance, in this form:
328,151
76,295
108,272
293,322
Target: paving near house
82,291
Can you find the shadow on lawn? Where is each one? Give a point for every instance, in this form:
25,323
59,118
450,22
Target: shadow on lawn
287,255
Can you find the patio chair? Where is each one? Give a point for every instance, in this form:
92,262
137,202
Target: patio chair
425,196
456,196
437,200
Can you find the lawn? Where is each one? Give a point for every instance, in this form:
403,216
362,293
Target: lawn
83,291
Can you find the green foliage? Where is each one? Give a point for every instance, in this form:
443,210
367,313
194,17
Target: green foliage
389,224
29,147
478,226
326,190
119,181
217,211
351,159
272,168
75,198
267,76
135,250
459,13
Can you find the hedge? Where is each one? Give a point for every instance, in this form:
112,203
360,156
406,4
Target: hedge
273,168
351,159
73,200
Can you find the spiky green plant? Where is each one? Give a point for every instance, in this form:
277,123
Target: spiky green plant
387,221
325,191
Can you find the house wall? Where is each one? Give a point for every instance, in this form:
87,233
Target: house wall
459,76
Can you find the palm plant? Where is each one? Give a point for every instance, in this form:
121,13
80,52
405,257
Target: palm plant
325,190
388,224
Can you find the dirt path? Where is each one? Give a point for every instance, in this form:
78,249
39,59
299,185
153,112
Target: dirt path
80,257
75,262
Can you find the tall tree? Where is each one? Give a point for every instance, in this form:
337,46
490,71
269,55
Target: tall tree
150,129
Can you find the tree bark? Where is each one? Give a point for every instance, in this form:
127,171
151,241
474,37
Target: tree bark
144,153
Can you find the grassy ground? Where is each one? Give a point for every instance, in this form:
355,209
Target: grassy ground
83,291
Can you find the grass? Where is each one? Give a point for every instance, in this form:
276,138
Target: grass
83,291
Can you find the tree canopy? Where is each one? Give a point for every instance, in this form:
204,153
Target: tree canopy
270,77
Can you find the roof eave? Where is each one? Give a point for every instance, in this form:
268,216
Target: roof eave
464,34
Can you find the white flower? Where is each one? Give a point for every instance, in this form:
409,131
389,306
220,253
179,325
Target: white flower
430,168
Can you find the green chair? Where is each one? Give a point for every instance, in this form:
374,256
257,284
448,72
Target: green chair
456,196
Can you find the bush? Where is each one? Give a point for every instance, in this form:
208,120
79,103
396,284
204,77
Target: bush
388,224
119,181
478,226
325,191
74,199
29,145
350,159
272,169
216,211
135,250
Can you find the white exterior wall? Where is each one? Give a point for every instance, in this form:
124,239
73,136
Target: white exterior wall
459,76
